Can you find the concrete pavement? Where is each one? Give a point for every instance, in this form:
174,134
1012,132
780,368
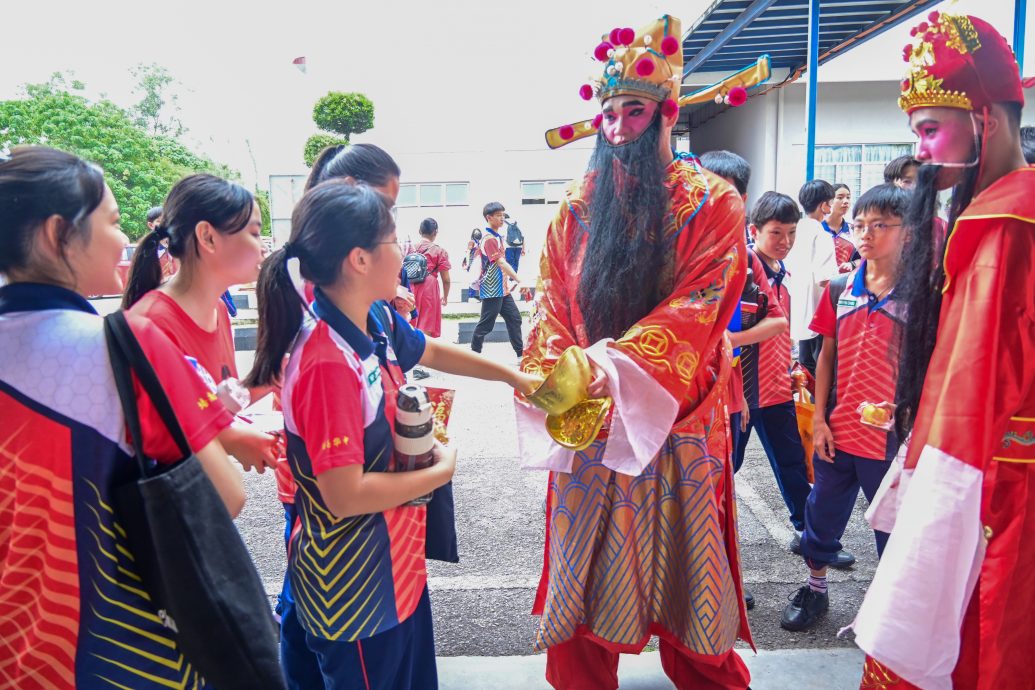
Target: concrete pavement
806,669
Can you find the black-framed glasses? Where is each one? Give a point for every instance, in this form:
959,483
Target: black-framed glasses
878,228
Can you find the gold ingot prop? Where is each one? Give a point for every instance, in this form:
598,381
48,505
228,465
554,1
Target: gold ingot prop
573,419
567,385
577,428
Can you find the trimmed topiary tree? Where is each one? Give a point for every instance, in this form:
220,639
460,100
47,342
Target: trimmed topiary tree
344,114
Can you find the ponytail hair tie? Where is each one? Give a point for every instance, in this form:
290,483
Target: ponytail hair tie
289,251
162,232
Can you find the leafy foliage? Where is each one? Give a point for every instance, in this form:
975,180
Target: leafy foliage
317,143
262,198
344,114
157,111
139,168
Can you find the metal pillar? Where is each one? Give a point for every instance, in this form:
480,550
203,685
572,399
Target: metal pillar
810,91
1019,10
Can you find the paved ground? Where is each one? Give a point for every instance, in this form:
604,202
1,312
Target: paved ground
481,606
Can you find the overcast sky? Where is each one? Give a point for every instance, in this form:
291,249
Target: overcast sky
451,75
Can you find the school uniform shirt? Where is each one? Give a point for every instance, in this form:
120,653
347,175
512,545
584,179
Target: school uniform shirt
766,366
867,331
844,248
72,611
810,263
355,577
213,351
491,249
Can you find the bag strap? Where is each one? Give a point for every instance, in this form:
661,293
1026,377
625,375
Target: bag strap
128,357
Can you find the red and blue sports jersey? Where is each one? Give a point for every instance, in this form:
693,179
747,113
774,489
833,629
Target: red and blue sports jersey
766,366
72,610
492,283
844,248
355,577
868,336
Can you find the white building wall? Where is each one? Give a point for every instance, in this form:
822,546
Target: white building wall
492,175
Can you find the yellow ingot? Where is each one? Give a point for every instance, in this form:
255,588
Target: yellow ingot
573,419
567,385
578,427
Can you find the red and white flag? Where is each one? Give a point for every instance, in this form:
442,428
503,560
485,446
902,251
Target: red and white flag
299,62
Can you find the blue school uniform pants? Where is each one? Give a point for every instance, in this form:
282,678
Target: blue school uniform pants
831,502
401,658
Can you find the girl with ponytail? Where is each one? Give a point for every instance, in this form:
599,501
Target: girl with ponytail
212,227
356,559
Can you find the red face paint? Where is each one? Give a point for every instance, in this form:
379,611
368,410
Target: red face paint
626,118
945,136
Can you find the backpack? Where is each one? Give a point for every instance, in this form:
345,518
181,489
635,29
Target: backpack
415,265
515,238
836,288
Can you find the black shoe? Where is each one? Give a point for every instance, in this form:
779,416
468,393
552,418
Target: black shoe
749,600
795,545
843,560
806,607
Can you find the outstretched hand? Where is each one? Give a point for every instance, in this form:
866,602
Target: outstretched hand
526,384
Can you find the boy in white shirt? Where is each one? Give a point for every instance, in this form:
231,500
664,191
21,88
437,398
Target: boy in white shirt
810,265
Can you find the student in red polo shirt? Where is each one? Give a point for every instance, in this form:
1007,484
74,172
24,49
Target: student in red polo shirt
860,321
766,364
356,559
212,226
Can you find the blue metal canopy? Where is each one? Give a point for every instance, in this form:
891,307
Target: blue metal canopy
732,33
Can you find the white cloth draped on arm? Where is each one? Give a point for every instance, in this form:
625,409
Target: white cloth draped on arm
641,420
911,617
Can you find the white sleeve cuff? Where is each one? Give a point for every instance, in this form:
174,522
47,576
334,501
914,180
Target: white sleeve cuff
643,415
641,420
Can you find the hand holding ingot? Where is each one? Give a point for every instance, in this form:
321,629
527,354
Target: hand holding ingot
573,419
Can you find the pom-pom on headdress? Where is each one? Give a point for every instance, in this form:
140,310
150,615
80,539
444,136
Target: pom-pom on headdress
958,61
649,63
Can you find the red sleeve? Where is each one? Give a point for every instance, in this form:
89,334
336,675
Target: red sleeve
197,408
824,321
443,260
491,248
986,336
329,415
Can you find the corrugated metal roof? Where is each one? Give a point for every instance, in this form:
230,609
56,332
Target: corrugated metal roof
732,33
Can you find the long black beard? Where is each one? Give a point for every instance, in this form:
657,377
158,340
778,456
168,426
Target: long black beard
626,247
920,286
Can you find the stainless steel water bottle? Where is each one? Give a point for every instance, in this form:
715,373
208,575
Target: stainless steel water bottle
413,434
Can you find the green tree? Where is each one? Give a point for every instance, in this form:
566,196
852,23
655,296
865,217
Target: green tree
158,109
343,114
262,197
317,143
139,168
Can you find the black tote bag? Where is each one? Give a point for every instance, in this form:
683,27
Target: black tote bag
191,558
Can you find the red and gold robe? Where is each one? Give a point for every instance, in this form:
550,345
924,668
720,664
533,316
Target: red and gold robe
646,544
952,601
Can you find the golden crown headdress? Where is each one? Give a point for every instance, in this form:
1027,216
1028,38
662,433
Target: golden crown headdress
649,63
